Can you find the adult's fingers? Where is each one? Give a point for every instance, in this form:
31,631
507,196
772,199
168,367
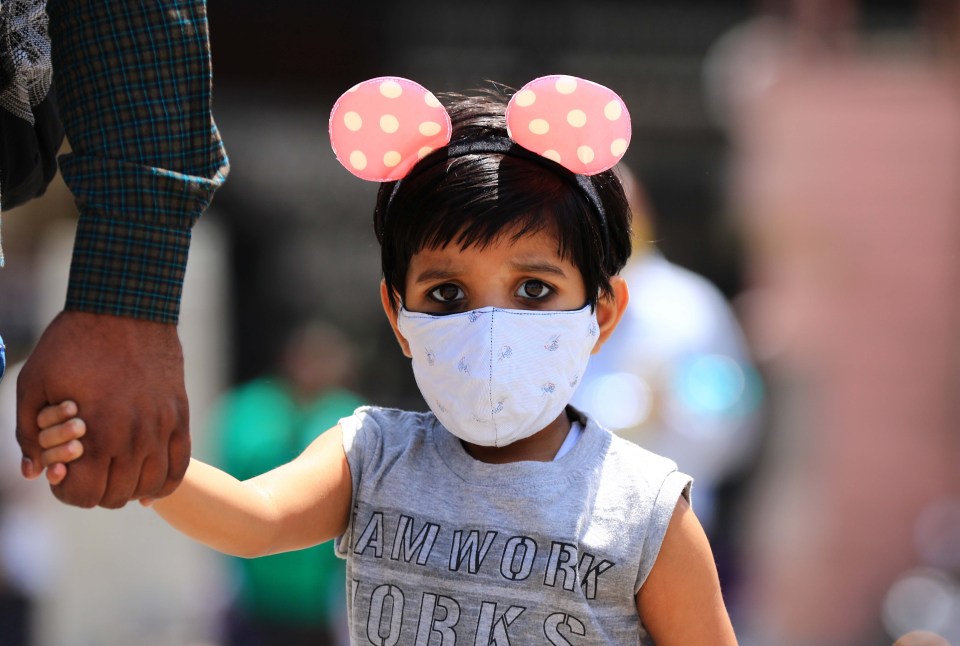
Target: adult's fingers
178,459
147,441
162,475
153,475
122,481
87,482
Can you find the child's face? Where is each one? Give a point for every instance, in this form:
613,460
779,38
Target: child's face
524,274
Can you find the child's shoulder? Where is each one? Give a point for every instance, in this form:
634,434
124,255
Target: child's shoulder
618,446
384,417
386,428
633,453
627,460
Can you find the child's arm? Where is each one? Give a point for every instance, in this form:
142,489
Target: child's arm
680,602
302,503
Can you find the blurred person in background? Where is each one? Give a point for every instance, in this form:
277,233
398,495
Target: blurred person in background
677,377
295,598
846,159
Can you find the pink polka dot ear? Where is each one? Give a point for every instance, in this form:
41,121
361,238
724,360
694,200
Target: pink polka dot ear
581,125
380,128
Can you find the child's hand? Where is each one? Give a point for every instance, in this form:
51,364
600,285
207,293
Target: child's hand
60,430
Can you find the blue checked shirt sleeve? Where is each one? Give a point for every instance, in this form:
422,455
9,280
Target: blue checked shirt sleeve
133,81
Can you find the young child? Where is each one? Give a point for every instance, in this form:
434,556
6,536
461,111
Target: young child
503,515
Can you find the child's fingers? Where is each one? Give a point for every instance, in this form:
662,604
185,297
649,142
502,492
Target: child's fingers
56,413
56,473
62,453
58,434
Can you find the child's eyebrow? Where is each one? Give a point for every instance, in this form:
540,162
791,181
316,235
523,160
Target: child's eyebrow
429,275
539,268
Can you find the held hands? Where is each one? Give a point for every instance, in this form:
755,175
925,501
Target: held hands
59,439
126,376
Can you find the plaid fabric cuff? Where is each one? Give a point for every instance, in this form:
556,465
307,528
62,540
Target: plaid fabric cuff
134,192
128,268
130,252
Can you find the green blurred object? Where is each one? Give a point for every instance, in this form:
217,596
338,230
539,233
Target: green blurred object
260,426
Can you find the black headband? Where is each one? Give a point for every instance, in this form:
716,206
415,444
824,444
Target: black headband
505,146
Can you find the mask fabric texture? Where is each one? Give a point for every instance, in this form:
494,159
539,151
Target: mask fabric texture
493,376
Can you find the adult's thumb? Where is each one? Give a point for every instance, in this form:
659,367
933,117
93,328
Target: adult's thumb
30,400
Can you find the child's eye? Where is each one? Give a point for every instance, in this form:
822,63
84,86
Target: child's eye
446,293
533,289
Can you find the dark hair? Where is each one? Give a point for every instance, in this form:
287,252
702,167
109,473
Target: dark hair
466,198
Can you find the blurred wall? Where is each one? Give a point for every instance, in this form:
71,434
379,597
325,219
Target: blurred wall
847,168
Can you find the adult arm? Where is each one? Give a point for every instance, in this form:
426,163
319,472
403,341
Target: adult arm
680,602
133,82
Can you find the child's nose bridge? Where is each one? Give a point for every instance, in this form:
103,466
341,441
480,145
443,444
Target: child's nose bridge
491,289
496,301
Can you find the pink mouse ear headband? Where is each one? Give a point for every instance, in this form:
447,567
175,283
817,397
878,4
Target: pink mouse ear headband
381,128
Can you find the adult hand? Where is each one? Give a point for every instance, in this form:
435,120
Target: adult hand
126,377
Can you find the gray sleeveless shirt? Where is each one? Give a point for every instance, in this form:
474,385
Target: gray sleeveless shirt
443,549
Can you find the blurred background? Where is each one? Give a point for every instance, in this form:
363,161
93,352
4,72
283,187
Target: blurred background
796,336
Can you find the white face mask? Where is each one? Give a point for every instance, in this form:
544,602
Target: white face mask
494,376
